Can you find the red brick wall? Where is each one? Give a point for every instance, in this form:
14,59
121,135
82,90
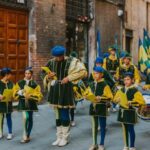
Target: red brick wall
47,28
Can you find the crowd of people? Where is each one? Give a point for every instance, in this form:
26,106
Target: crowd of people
114,81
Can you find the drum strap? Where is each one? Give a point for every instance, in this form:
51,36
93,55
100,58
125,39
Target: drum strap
122,113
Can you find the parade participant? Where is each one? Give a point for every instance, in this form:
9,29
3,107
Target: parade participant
127,67
66,70
28,92
147,82
98,110
121,56
112,62
107,76
127,113
6,106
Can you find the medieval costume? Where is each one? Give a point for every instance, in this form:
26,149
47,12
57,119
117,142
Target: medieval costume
6,108
112,62
66,70
108,79
133,98
107,76
99,111
28,93
147,81
122,70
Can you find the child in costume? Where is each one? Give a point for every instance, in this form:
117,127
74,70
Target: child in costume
6,106
107,76
28,93
127,67
98,110
112,62
127,113
147,82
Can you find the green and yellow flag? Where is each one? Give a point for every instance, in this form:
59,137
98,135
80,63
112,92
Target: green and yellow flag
146,42
143,57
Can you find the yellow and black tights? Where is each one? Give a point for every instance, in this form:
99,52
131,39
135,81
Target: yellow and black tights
28,123
128,131
95,121
9,122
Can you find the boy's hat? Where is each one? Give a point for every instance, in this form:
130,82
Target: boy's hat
98,69
122,54
5,71
127,56
130,74
99,60
112,48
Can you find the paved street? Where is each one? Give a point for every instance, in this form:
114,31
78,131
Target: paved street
44,132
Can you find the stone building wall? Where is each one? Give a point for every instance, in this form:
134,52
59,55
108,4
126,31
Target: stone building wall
137,13
107,22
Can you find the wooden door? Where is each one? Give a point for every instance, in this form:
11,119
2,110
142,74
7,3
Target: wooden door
14,41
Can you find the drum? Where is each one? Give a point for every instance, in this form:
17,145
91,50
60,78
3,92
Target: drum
144,111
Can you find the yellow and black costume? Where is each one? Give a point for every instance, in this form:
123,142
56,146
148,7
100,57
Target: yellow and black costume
27,105
111,63
123,69
99,110
147,82
128,116
6,107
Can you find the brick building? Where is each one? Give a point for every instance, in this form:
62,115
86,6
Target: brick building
30,28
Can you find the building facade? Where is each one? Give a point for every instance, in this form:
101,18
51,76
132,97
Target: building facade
136,18
30,28
108,22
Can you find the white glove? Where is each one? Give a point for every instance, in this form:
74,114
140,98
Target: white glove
20,92
53,82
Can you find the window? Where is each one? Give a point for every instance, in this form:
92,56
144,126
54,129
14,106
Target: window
76,9
129,37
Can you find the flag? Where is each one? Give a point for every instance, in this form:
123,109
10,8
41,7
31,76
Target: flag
99,52
146,42
143,57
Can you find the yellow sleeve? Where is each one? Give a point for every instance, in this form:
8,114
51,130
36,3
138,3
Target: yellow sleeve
16,88
77,70
116,97
37,95
107,92
117,74
138,98
137,75
120,61
104,64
